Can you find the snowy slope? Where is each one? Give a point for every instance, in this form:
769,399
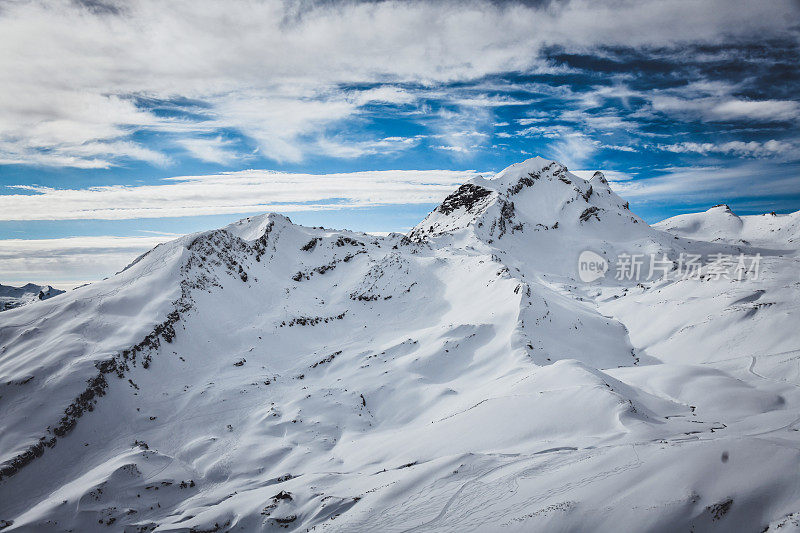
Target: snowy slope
721,224
11,297
268,376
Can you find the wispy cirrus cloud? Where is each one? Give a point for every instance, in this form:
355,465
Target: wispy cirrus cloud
285,75
67,262
211,150
698,184
747,149
244,191
727,108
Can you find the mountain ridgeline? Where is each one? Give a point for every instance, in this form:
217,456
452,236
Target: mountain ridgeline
268,377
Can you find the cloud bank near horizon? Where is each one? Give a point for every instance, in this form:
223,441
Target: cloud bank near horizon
256,191
243,191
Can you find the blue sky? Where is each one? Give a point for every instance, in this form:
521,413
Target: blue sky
123,124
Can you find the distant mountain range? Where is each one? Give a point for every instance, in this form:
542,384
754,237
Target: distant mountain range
461,377
11,297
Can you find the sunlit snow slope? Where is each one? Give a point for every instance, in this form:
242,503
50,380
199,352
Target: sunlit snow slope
721,224
268,376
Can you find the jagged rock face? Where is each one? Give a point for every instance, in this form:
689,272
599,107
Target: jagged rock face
541,213
467,197
457,211
536,194
12,297
268,376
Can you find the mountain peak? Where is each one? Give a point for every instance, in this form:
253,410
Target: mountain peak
534,165
536,193
252,228
598,177
721,208
268,376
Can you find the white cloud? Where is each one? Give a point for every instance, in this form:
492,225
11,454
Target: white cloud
233,192
457,149
619,148
532,120
693,184
489,101
462,131
384,95
66,262
725,107
350,149
766,110
210,150
741,148
279,123
574,149
274,70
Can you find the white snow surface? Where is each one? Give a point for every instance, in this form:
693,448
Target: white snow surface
270,377
722,225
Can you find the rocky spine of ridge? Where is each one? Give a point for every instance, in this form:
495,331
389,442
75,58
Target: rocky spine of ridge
491,206
266,375
206,252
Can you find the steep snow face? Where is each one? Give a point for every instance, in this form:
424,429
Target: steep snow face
720,224
267,376
11,297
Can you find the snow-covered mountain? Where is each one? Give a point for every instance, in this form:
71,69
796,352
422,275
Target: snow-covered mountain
268,376
721,224
11,297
